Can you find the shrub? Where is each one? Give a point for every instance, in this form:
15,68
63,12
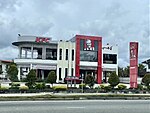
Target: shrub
122,87
102,86
51,77
12,73
59,88
89,80
113,79
23,87
2,88
40,86
140,87
31,78
146,79
82,86
14,86
107,88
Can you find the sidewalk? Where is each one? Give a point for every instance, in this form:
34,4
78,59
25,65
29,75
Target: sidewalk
64,94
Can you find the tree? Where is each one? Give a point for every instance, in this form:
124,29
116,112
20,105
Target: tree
51,77
126,71
146,79
31,79
89,80
113,79
12,73
120,72
141,70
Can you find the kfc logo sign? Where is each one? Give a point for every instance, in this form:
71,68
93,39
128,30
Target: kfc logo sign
89,45
41,39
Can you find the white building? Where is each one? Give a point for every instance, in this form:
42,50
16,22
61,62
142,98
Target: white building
80,56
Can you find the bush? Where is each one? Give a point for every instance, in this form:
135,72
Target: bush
23,87
31,78
59,88
4,88
40,86
140,87
89,80
122,87
107,88
82,86
146,79
14,86
102,86
51,77
113,79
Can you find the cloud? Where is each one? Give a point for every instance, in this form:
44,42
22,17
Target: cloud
118,22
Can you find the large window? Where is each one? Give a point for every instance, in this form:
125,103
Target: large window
25,52
66,54
51,54
60,74
71,71
60,54
88,56
37,53
109,58
66,72
72,54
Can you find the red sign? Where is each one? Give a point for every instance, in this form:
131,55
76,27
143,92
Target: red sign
41,39
133,64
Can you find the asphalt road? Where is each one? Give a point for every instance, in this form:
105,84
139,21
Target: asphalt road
76,106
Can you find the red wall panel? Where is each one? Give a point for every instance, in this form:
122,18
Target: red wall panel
133,64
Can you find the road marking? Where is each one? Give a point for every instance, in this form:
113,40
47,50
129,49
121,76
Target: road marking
75,107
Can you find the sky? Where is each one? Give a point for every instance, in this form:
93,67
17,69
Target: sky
116,21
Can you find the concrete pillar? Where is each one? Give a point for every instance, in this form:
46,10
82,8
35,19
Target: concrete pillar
32,52
25,53
18,73
43,53
20,52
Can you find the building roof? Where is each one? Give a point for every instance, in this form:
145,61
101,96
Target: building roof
6,61
147,61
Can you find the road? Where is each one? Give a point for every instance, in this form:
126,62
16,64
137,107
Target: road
76,106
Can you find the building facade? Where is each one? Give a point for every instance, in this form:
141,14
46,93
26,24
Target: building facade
4,65
80,56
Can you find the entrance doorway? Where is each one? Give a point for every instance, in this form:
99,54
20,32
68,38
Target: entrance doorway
84,73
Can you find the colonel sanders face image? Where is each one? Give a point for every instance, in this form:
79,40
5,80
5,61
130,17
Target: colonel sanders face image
88,43
132,51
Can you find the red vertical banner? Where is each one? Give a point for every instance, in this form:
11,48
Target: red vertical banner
133,64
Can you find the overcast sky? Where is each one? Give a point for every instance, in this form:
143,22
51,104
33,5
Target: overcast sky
117,21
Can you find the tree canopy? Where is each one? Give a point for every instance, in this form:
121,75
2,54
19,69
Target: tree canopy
12,73
51,77
146,79
31,78
113,79
89,80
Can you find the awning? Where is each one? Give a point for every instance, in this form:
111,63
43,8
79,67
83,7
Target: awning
44,67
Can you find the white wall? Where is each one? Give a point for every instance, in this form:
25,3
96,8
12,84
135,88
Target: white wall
65,63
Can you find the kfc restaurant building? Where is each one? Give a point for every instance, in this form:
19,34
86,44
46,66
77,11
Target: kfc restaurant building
78,57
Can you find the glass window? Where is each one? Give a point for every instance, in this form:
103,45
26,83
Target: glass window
60,74
148,66
66,72
37,53
26,52
71,71
81,44
51,54
66,54
90,56
60,54
72,54
109,58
